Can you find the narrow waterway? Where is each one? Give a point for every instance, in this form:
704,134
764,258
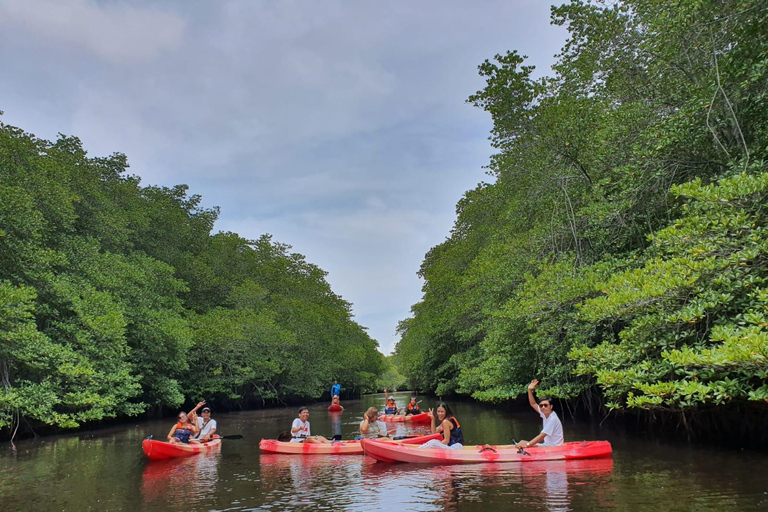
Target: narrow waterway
105,470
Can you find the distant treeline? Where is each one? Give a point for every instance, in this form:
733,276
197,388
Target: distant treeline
620,254
116,299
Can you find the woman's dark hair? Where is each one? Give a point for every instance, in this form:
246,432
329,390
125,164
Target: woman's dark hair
548,399
302,409
448,411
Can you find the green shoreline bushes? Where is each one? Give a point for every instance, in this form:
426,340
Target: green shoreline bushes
619,255
116,299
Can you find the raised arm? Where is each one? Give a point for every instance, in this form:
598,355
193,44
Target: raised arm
198,406
386,395
532,400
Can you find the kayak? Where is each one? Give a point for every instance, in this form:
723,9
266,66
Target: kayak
390,452
335,408
158,450
337,447
413,418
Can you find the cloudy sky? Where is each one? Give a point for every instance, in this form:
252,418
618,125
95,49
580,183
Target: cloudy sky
340,127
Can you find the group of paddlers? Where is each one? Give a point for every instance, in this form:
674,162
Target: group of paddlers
442,421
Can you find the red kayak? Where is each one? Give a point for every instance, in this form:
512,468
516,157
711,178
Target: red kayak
158,450
412,418
337,447
335,408
390,452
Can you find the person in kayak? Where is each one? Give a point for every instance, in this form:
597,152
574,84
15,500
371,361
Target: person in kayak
182,430
412,407
444,422
335,389
300,432
390,406
335,401
371,427
552,431
206,425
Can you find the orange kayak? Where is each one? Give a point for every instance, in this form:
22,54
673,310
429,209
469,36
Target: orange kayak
413,418
337,447
391,452
158,450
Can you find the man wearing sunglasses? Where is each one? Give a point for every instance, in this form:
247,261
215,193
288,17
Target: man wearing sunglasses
552,431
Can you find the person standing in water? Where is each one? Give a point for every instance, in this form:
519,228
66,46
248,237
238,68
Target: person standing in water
335,389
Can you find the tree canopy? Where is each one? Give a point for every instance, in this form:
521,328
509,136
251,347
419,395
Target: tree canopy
620,252
117,298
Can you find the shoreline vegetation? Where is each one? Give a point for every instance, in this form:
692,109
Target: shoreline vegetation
619,250
116,300
618,253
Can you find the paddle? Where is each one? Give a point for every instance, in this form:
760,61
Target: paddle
520,449
233,436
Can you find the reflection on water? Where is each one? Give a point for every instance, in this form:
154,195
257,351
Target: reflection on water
189,480
106,471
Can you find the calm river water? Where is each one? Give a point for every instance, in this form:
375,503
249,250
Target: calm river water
105,470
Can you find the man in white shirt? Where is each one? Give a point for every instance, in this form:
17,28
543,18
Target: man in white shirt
206,424
552,431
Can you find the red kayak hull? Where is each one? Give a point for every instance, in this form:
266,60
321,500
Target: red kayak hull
160,450
337,448
335,408
413,418
389,452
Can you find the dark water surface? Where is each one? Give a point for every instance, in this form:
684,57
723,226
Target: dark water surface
106,470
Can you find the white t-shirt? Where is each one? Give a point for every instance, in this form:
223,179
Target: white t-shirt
303,431
205,430
553,428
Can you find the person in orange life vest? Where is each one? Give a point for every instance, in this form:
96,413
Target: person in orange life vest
444,422
300,429
412,407
335,401
390,406
182,430
206,425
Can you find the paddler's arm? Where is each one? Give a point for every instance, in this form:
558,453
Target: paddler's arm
536,440
431,415
170,434
532,400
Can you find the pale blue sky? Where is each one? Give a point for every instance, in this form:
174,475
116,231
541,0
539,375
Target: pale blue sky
341,128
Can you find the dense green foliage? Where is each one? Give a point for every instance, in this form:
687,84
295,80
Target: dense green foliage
116,297
620,254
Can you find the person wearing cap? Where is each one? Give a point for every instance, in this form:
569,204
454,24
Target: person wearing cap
205,424
390,406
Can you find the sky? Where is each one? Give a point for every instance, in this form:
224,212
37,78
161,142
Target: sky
339,127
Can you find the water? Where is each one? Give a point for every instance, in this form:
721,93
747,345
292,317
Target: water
105,470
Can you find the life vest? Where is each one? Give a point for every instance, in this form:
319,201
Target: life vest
413,408
456,435
182,433
390,410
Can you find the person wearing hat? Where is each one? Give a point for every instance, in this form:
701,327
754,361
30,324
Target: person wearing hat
390,406
205,424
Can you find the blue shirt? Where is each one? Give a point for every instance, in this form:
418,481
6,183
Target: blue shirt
336,389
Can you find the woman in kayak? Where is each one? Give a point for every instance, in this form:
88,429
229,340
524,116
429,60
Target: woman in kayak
181,431
300,429
412,407
445,423
371,428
